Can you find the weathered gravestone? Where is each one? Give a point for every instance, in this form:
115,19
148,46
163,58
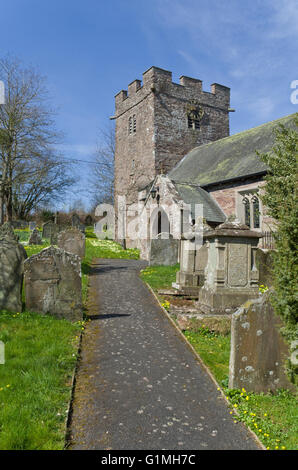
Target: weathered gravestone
258,351
12,257
48,229
163,250
55,233
7,230
76,222
53,283
35,238
73,241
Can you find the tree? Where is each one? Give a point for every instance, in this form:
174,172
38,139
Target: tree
32,171
102,169
280,197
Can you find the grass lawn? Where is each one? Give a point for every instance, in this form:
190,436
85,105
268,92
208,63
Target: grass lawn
35,381
274,418
160,277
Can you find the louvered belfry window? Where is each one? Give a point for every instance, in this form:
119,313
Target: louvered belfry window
132,125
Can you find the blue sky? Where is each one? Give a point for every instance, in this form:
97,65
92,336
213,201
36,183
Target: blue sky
89,50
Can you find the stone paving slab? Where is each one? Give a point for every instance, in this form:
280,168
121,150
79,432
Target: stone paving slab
138,385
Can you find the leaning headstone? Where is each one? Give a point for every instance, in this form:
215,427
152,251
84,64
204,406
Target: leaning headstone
258,351
73,241
12,257
163,250
35,238
53,283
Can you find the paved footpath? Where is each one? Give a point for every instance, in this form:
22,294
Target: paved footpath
138,384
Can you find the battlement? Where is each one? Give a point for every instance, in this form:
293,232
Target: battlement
157,80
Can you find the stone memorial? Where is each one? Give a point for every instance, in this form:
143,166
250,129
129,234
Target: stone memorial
163,250
53,284
258,351
12,257
76,222
72,240
7,230
231,274
35,238
48,229
193,260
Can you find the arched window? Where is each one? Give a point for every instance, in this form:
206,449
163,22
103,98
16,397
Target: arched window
246,203
252,213
256,212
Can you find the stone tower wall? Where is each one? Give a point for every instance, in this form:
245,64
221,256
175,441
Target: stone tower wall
152,133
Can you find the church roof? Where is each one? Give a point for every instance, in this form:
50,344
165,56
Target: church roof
195,195
228,158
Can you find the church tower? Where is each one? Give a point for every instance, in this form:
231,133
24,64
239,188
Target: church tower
158,122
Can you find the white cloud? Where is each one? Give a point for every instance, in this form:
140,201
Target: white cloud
76,150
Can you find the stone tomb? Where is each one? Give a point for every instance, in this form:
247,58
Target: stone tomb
163,250
258,351
12,257
231,274
193,260
73,241
53,284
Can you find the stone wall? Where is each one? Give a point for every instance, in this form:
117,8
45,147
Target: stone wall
229,197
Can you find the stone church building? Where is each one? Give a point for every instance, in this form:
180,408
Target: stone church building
173,148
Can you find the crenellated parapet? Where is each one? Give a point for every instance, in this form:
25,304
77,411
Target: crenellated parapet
159,81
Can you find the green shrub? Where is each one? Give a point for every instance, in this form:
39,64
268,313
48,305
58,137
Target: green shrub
280,197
